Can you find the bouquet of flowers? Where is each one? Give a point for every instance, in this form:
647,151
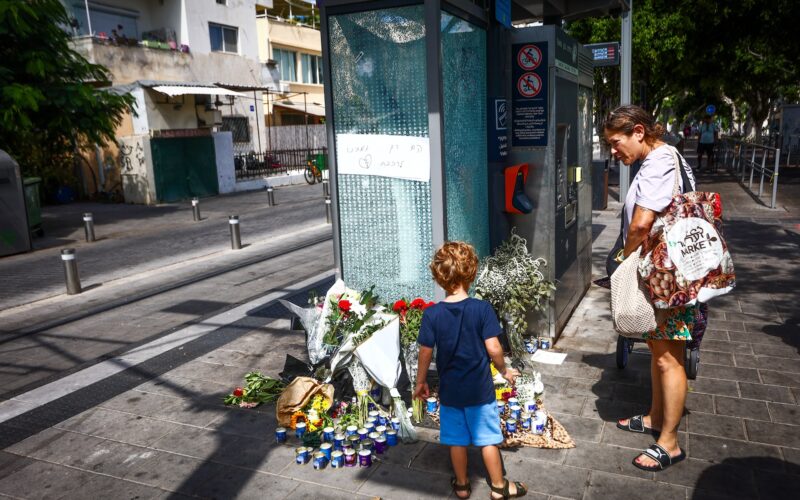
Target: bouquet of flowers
257,389
347,314
410,322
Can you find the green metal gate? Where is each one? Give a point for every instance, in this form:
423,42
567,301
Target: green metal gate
184,167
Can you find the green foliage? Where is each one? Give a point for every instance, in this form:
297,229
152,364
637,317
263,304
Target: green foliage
49,105
511,281
690,54
258,389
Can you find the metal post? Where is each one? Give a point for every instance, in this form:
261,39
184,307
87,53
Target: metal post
236,238
88,227
325,191
626,49
327,209
196,209
270,196
71,271
752,170
773,203
763,168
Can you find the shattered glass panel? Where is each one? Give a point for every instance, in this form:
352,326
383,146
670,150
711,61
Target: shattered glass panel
464,92
378,86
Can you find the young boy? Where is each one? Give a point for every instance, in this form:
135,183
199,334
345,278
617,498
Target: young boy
464,331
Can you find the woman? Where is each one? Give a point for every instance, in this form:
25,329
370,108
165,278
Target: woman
633,136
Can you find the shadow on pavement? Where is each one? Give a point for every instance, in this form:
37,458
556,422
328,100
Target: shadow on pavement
754,477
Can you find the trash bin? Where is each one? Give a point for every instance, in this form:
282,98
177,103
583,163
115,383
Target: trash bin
33,203
14,232
599,184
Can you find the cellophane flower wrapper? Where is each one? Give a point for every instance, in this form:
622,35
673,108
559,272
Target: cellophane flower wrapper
309,318
529,386
316,350
411,357
380,355
362,383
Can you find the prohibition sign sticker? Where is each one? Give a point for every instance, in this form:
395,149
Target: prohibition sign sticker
529,57
529,85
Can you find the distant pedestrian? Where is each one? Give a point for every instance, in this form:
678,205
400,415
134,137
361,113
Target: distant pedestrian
464,331
687,131
633,136
708,136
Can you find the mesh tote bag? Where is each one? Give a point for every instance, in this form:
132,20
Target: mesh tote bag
631,308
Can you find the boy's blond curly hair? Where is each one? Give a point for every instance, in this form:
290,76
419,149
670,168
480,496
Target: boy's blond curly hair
455,263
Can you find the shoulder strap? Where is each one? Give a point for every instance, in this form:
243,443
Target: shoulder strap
679,171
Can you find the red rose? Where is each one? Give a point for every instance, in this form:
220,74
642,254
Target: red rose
428,305
400,306
238,392
344,305
417,304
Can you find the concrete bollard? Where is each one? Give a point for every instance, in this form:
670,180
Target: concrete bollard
71,271
270,196
88,226
195,209
236,238
325,191
328,209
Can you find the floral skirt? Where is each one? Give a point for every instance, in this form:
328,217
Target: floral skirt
683,323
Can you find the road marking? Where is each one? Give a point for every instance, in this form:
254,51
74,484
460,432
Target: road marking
40,396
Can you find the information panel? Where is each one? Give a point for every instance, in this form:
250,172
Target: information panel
529,95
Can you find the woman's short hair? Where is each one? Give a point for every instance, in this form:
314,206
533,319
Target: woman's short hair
624,118
454,264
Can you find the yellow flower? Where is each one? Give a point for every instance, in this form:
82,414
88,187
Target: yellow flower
494,370
498,393
297,416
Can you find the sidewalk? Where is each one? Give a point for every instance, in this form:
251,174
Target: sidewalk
158,429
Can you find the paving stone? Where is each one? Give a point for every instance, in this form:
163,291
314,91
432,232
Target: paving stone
310,491
728,373
584,387
122,427
744,408
246,423
720,478
726,346
605,457
696,401
603,486
714,386
715,425
481,490
729,325
785,414
565,403
775,486
716,358
791,460
766,392
57,445
435,458
715,335
632,393
718,450
612,410
231,482
772,433
581,428
540,454
780,351
757,337
393,482
163,408
50,480
541,477
193,441
404,454
779,378
744,360
172,472
778,364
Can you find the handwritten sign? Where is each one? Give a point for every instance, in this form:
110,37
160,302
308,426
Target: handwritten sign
395,156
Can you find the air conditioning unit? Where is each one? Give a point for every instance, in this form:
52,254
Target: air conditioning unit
214,117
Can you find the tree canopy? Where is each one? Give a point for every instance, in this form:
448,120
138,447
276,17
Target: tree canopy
741,55
49,100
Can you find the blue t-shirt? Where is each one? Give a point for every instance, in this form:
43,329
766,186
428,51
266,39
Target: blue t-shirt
459,330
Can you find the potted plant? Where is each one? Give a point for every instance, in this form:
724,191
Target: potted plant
511,280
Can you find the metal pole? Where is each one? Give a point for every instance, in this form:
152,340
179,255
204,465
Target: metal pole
626,48
236,238
763,168
305,113
752,170
773,203
88,18
258,125
325,191
269,126
270,196
196,209
71,271
88,227
328,209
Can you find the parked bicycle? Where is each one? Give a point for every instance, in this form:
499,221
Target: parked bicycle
314,166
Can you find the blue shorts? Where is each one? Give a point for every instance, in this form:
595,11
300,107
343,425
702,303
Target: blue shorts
473,425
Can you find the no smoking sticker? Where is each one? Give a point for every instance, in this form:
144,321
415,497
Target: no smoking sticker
529,57
529,85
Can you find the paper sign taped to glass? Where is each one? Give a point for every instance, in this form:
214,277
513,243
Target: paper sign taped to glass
396,156
687,260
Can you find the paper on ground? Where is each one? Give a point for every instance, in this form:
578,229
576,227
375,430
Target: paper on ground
549,357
